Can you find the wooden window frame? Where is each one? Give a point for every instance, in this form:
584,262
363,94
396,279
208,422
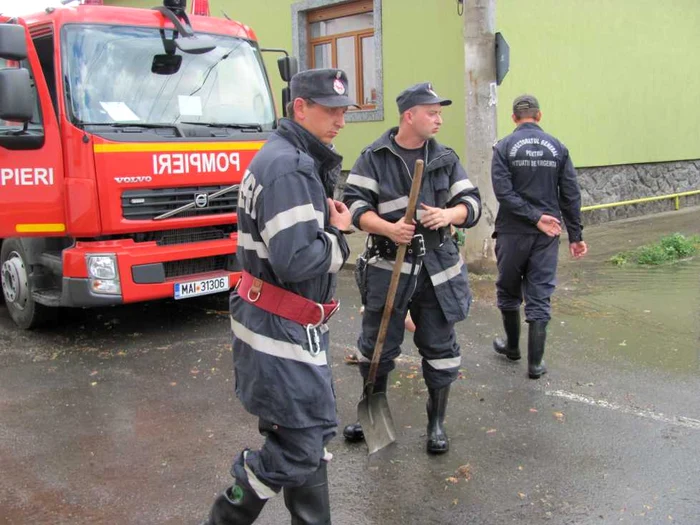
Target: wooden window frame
340,11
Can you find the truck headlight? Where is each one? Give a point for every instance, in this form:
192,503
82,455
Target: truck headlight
103,274
102,266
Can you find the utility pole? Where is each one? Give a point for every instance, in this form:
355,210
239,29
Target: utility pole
481,98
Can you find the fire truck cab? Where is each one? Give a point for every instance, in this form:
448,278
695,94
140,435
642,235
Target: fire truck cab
124,134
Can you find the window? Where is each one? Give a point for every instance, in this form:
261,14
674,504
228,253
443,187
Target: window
115,74
344,35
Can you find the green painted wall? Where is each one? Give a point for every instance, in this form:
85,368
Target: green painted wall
617,80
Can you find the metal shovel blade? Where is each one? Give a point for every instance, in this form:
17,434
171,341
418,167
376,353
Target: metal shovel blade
377,424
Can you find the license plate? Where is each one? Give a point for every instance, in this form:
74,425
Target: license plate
201,287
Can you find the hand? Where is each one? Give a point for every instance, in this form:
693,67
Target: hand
435,218
578,249
549,225
340,215
401,232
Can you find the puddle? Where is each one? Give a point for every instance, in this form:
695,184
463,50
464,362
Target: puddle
647,315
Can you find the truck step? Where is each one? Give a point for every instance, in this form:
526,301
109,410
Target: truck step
47,296
52,261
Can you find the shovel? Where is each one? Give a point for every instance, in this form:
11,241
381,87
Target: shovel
373,409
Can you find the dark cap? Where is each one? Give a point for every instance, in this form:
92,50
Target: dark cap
327,87
419,95
524,102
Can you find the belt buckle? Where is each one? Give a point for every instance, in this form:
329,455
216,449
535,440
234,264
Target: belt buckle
421,245
332,312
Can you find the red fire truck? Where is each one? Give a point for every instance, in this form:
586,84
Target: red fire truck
124,134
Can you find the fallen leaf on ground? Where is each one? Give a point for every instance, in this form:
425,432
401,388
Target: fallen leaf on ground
559,416
521,495
452,480
465,471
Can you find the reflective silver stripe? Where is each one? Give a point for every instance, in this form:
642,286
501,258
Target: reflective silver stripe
357,205
446,275
253,208
474,205
363,182
397,204
262,490
386,264
459,187
320,219
246,240
287,219
444,364
274,347
336,253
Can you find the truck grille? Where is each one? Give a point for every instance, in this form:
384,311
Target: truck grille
193,266
149,203
185,235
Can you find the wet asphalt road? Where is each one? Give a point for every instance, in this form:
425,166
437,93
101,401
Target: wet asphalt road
128,416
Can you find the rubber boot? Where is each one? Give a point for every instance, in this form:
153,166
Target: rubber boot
438,442
535,349
238,505
310,503
511,346
353,432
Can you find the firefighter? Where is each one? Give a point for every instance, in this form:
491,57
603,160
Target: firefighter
291,246
433,284
535,183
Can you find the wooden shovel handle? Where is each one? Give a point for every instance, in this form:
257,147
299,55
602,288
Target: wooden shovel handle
396,274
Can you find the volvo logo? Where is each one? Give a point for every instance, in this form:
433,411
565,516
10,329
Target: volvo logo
201,200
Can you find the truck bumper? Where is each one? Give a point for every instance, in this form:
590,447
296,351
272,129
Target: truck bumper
146,270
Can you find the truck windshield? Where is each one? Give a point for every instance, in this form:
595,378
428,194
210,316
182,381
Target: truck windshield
118,74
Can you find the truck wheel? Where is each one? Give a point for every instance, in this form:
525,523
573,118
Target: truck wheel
16,287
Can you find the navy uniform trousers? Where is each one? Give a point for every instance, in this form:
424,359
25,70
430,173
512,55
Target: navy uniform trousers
434,336
287,458
527,266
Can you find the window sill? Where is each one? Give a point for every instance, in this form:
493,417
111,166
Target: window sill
365,115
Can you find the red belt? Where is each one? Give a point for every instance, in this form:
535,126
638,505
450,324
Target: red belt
284,303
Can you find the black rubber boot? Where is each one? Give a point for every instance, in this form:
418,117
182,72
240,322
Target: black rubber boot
511,346
310,503
238,505
438,442
353,432
535,349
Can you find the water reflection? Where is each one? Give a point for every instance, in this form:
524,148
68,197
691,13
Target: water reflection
649,315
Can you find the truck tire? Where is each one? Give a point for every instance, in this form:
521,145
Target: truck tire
17,288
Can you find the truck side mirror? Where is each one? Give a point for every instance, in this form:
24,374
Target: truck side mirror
16,101
13,42
288,67
286,99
